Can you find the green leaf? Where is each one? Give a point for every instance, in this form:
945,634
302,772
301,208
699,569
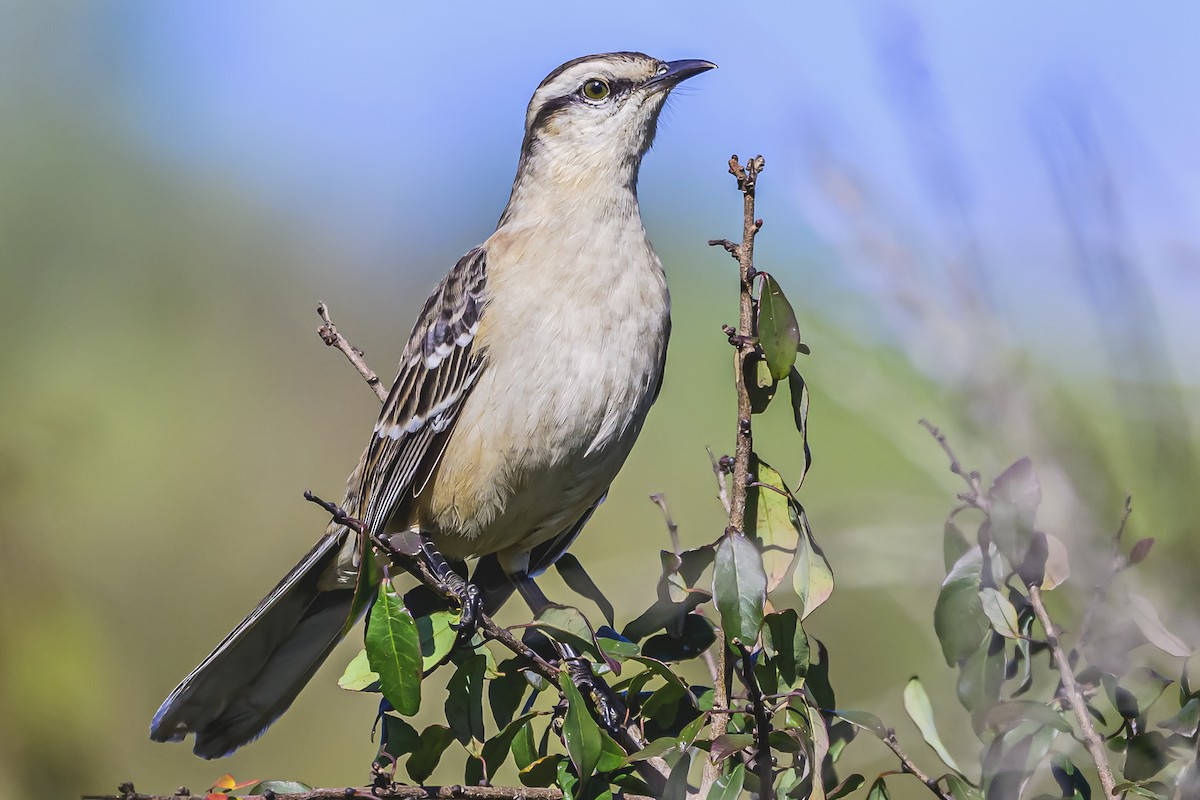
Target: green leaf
580,731
760,384
524,748
664,614
981,676
954,544
698,635
1003,717
799,394
847,786
677,785
1000,613
424,760
464,701
865,720
397,739
612,757
958,618
542,772
812,578
1014,499
878,791
577,579
358,676
495,750
664,744
727,744
961,790
778,330
728,787
394,650
787,645
1145,756
506,691
771,518
1146,618
567,625
916,703
740,588
437,637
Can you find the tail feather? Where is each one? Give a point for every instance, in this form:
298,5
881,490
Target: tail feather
252,677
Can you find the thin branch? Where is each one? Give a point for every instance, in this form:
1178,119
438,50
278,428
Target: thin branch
329,334
127,792
721,467
1073,695
910,766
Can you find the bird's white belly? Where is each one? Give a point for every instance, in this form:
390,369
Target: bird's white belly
537,443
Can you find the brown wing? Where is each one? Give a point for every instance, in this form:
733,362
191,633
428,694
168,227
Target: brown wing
437,370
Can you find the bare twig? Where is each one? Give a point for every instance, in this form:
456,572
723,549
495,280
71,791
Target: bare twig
721,468
910,766
329,334
1073,695
741,339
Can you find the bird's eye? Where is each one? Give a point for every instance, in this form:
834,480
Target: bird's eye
595,89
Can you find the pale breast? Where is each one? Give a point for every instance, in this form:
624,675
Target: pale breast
574,354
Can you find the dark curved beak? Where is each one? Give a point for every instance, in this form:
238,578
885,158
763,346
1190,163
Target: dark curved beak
672,73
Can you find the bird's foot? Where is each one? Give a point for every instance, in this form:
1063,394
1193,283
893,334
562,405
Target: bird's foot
609,709
465,593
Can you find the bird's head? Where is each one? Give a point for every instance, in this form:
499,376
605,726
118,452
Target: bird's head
599,112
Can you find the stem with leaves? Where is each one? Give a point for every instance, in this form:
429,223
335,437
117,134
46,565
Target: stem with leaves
743,343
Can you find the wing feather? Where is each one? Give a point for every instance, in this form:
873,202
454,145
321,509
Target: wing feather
438,368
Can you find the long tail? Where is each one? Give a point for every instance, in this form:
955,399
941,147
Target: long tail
257,671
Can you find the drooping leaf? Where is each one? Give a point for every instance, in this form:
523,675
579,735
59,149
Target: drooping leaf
863,719
397,738
567,624
697,636
576,577
542,772
739,588
1070,779
846,787
1014,499
958,617
981,676
437,637
961,790
878,791
424,760
506,691
778,330
464,702
1000,613
799,394
677,785
358,676
727,744
1146,618
496,749
664,614
1058,563
954,544
760,384
524,748
1003,717
394,650
787,645
812,578
916,703
1140,550
728,787
770,518
580,731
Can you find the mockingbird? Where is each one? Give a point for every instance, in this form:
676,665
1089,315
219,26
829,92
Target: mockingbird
520,392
